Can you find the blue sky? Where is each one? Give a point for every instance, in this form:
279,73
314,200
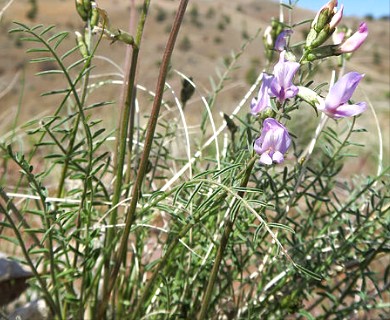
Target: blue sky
360,8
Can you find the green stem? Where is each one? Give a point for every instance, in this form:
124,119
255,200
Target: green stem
222,245
150,285
130,217
120,151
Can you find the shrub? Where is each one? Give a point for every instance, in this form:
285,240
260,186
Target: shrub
185,44
161,15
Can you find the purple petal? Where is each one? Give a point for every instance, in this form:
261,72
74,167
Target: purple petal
291,92
284,72
263,100
349,110
355,41
258,145
281,40
342,90
336,18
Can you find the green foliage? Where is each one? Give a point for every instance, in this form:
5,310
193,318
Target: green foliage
185,44
33,11
210,14
218,40
221,26
161,15
194,16
251,75
194,12
244,34
226,19
376,58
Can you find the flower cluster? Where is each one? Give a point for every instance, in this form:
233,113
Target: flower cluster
278,87
324,26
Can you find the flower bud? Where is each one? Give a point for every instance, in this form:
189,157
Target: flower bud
309,96
311,37
123,36
81,10
94,16
323,14
321,37
81,44
269,37
322,20
87,5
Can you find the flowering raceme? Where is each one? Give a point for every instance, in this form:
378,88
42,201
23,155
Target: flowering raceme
336,105
281,85
273,142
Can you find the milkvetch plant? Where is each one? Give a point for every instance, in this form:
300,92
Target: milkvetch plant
249,217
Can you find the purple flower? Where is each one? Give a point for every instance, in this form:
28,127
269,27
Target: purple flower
281,85
355,41
263,100
336,104
273,142
281,40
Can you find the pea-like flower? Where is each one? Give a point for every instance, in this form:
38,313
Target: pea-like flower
281,85
273,142
263,100
336,105
355,41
